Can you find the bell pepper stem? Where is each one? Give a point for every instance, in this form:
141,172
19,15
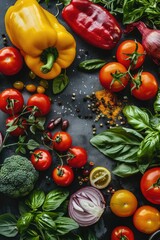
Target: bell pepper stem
48,66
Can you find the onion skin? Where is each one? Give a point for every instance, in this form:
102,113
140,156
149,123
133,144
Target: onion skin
150,39
77,208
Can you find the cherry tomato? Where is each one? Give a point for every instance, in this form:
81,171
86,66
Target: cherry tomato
62,141
113,76
77,157
130,53
150,185
11,61
11,101
147,219
41,159
42,102
19,124
63,175
122,233
123,203
144,86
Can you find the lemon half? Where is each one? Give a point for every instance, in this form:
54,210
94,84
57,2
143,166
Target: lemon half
100,177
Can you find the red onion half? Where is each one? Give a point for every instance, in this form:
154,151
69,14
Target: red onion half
86,206
150,39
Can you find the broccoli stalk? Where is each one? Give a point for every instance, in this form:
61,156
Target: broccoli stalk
17,176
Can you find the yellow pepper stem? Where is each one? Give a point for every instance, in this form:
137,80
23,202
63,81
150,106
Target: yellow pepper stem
48,56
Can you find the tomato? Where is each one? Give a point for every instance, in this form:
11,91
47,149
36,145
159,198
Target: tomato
11,101
123,203
147,219
63,175
62,141
131,53
122,233
150,185
19,125
41,159
113,76
144,86
77,157
11,61
42,102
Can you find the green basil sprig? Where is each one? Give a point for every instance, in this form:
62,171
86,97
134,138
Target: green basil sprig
37,220
135,148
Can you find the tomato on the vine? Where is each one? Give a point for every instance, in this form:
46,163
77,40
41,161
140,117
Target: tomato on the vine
150,185
113,76
144,86
62,141
18,125
131,53
77,157
42,102
63,175
41,159
123,203
122,233
11,101
11,61
147,219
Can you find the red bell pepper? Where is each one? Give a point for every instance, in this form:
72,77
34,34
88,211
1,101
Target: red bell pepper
93,23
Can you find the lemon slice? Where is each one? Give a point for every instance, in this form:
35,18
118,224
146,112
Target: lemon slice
100,177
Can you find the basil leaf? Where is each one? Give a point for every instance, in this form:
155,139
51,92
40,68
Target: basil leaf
24,222
8,225
92,64
50,235
32,144
156,103
60,83
65,225
149,145
35,199
30,234
155,122
120,144
125,170
44,221
137,118
54,199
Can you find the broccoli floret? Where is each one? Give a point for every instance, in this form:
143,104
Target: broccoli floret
17,176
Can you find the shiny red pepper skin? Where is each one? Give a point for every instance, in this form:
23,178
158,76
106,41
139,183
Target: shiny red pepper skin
93,23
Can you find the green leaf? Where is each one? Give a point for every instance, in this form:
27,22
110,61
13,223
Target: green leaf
65,225
35,199
50,235
54,199
8,225
137,118
60,83
120,144
156,103
92,64
44,221
24,221
32,144
125,170
148,146
30,234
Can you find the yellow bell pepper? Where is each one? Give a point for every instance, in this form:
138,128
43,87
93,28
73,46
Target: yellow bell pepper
46,45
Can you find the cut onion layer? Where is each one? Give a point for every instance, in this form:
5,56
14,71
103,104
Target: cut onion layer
86,206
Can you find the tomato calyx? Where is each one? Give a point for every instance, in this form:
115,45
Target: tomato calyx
154,185
137,82
10,103
133,57
117,76
122,237
60,171
38,156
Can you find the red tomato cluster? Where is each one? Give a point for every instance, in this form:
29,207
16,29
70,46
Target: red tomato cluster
76,157
115,76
